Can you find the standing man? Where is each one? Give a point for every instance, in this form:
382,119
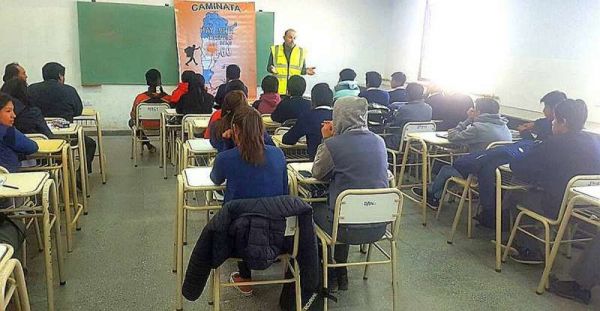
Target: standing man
288,60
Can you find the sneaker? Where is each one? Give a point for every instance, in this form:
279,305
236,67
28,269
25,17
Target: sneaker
432,202
343,281
570,290
528,257
150,147
246,290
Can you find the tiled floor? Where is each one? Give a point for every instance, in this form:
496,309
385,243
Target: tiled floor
122,258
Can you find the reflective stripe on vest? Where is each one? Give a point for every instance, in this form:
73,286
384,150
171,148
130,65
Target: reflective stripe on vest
285,70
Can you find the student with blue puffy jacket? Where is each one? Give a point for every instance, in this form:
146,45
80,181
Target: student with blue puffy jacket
12,142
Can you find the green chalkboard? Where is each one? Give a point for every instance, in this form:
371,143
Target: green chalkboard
118,43
264,40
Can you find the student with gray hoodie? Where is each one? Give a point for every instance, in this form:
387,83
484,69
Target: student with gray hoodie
484,126
344,166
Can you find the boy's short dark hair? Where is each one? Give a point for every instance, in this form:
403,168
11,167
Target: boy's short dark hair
10,71
347,75
572,111
269,84
414,91
53,71
373,79
232,71
236,85
487,105
296,86
553,98
321,95
399,77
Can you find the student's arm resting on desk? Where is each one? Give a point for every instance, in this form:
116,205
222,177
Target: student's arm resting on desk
323,165
528,167
462,132
217,175
17,141
294,134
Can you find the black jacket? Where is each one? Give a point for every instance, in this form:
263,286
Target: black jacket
31,121
55,99
199,104
290,108
253,229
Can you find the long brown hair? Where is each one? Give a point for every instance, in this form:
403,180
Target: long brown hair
249,135
232,101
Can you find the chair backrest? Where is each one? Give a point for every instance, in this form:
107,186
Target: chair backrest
415,127
368,206
577,181
281,130
151,111
187,123
498,144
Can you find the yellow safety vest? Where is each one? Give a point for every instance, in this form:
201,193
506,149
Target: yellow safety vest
285,70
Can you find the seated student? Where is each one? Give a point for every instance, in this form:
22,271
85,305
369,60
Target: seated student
221,133
14,70
182,88
309,124
414,110
451,109
293,105
345,166
153,80
270,98
483,127
234,85
550,165
12,142
398,92
60,100
542,128
373,94
346,85
250,160
584,273
29,118
197,100
232,73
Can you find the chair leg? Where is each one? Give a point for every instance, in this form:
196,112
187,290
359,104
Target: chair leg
547,245
134,152
38,234
365,277
444,195
185,226
297,285
570,236
461,204
324,266
216,290
470,213
513,233
395,303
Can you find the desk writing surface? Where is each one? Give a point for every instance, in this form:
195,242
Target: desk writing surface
88,112
200,144
49,145
431,137
590,191
28,184
71,130
198,177
200,123
278,140
171,111
269,122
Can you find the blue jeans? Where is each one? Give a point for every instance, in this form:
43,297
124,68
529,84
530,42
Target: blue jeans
437,186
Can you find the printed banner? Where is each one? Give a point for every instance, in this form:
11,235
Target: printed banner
213,35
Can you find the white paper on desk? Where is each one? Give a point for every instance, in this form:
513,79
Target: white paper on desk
198,177
592,191
200,145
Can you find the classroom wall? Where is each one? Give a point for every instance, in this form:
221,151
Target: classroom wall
552,44
40,31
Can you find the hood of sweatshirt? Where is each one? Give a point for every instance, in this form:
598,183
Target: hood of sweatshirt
350,113
347,85
493,118
268,102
